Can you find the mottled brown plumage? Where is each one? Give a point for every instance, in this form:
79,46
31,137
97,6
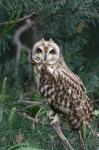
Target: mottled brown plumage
63,90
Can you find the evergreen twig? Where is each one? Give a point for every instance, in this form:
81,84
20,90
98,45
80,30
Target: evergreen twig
19,20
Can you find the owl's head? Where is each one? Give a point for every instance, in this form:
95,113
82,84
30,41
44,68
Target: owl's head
45,52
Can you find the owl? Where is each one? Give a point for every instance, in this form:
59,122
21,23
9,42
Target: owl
63,90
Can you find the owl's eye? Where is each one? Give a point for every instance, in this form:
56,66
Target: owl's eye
52,51
39,50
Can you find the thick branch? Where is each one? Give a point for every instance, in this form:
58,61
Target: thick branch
59,132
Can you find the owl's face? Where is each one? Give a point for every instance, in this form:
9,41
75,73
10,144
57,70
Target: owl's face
46,52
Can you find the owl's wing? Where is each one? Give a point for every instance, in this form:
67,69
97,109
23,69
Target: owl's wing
79,81
70,76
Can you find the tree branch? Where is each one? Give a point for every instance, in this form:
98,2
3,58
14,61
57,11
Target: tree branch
64,13
60,134
19,20
34,14
25,115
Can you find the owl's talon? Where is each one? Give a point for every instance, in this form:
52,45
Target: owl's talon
51,115
55,120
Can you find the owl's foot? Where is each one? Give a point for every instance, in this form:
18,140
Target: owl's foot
53,117
55,120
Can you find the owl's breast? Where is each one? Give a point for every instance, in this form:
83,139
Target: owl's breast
37,74
65,98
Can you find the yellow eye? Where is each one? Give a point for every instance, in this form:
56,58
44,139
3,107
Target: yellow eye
52,51
38,50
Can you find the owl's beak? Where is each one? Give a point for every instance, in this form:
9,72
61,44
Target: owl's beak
45,56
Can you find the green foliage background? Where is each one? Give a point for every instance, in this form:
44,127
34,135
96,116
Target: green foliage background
74,25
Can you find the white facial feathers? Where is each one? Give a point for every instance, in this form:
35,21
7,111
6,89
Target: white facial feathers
45,52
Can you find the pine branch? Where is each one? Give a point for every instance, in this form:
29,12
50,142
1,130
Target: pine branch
35,14
19,20
64,13
25,115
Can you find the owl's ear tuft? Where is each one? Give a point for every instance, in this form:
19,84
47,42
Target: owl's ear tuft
42,40
50,40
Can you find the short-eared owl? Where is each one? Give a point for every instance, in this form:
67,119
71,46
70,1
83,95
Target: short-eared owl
63,90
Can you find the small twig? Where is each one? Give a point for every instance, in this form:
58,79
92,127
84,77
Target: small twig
19,20
82,144
33,102
28,93
42,107
65,142
29,106
34,120
64,13
76,9
97,100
